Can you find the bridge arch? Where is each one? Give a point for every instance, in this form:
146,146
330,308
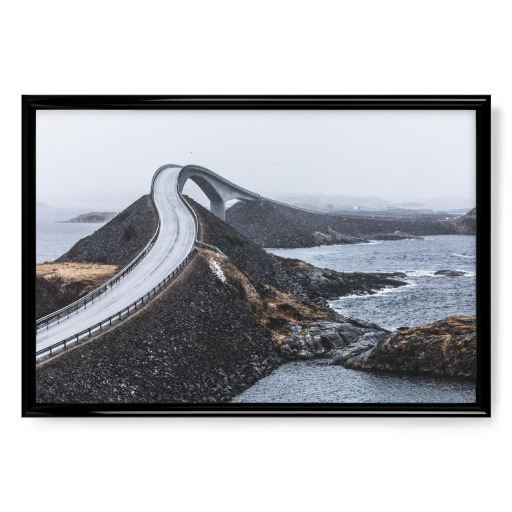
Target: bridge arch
216,188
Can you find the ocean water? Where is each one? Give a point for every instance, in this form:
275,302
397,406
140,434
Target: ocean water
425,299
319,382
54,236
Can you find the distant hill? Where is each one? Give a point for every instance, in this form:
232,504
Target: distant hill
94,217
40,204
279,226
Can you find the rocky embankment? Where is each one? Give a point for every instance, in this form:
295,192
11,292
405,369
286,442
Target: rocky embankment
121,239
445,348
323,284
228,321
273,225
93,217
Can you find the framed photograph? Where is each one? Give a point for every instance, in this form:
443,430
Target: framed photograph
263,255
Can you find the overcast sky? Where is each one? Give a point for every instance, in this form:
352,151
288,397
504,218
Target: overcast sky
106,159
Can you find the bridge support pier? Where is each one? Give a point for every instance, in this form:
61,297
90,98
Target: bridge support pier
218,208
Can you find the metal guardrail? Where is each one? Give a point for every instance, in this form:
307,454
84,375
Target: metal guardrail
119,315
208,246
87,299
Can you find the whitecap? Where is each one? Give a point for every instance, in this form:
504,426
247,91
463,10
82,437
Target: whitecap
378,293
464,256
421,273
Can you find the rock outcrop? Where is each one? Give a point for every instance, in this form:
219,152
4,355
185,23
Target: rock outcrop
450,273
323,284
318,339
465,225
445,348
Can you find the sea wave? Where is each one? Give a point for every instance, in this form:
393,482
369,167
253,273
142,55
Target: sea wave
421,273
471,257
432,273
378,293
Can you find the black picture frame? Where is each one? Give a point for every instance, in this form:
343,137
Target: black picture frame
481,104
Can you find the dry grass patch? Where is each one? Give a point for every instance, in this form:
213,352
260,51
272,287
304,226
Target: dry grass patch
276,310
89,275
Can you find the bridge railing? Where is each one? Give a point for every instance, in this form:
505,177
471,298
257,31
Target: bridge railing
220,178
90,297
257,196
192,211
198,243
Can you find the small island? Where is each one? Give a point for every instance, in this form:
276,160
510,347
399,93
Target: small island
94,217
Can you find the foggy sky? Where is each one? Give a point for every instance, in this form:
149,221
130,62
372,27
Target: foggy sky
107,158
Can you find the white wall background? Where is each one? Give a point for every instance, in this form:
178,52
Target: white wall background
369,47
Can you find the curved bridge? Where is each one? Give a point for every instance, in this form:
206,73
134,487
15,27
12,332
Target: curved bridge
161,261
217,189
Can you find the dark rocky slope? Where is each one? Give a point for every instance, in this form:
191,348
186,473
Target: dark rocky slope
446,348
273,225
323,284
121,239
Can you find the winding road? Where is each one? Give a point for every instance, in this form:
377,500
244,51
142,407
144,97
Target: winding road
170,252
175,240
